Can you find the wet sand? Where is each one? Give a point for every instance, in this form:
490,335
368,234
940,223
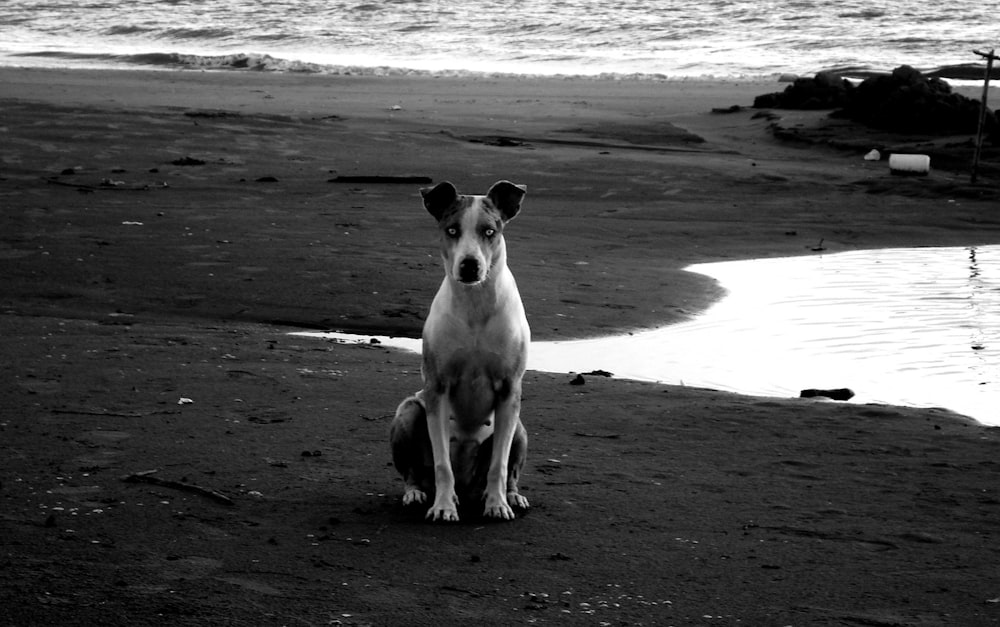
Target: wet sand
162,232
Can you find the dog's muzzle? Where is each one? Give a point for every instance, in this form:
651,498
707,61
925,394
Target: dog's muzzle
468,271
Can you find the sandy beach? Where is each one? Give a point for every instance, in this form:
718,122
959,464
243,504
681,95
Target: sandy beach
172,456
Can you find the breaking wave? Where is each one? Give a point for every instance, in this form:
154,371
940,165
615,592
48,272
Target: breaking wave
255,62
267,63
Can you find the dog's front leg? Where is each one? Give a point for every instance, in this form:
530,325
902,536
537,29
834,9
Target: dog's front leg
507,414
445,505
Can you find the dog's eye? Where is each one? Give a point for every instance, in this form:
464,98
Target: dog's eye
451,231
490,232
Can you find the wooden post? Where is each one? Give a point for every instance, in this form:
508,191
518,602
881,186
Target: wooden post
982,112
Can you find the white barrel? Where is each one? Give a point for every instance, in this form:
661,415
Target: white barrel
918,165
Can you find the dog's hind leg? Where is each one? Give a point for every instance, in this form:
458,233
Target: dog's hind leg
411,449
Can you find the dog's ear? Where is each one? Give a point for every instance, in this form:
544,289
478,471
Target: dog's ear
506,197
439,199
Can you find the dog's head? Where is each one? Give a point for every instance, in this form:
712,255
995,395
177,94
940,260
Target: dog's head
471,227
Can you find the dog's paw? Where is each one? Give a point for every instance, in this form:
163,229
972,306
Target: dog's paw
442,514
497,507
413,496
445,510
517,501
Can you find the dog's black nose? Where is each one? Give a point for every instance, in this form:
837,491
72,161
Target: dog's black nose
468,271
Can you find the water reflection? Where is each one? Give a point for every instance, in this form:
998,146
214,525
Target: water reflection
917,327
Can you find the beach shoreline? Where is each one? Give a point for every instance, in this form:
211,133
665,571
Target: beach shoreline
958,74
654,155
162,233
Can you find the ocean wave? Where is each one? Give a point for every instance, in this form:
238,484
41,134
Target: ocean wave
208,34
181,33
126,29
176,60
866,14
674,37
268,63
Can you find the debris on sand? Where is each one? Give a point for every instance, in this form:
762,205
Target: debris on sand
838,394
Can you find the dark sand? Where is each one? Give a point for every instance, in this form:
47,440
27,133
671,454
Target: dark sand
652,505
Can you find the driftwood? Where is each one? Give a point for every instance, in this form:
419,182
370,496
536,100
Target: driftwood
146,476
101,412
384,180
106,186
989,56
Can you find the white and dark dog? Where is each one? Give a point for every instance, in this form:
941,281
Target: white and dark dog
461,436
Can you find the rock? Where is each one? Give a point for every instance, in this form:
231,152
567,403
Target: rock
908,102
823,91
904,101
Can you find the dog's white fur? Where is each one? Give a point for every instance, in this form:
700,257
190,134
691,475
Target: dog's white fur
475,344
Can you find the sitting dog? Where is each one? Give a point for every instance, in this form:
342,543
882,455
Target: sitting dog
461,436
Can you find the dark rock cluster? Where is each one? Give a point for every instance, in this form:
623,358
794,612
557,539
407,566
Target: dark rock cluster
905,101
825,91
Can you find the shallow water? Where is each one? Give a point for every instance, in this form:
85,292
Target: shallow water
917,327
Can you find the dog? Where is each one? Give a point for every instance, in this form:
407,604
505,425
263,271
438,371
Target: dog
460,438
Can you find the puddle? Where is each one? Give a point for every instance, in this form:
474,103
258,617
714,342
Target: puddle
915,326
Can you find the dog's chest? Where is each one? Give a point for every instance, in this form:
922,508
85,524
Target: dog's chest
461,431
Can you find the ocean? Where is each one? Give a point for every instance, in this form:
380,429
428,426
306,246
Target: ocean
650,39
